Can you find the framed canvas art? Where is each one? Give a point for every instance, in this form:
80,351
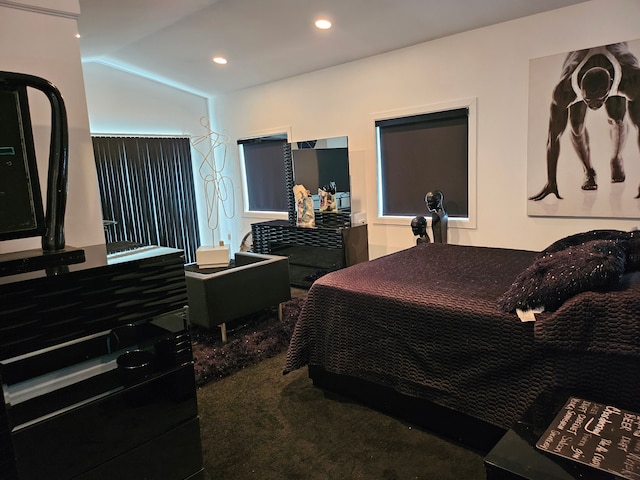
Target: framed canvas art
583,155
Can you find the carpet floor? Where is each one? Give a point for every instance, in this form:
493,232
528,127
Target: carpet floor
261,424
257,423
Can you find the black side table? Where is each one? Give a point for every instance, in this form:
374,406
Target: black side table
516,456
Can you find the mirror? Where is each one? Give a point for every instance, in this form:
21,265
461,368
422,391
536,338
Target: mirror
317,163
21,212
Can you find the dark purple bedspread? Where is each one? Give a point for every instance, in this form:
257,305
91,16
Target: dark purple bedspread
425,322
597,322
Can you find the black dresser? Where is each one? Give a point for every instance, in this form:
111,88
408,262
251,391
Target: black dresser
97,370
314,251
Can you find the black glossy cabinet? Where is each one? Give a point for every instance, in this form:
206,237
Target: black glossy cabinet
71,410
312,252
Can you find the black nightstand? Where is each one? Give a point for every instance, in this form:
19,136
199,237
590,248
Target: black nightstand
516,455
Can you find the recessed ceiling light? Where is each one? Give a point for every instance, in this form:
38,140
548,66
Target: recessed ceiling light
78,35
220,60
323,24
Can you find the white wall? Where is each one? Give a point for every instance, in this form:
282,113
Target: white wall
490,64
124,103
38,38
121,103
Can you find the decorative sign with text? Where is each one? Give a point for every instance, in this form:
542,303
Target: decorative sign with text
599,435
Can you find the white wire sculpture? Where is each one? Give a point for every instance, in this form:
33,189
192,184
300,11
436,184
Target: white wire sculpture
218,187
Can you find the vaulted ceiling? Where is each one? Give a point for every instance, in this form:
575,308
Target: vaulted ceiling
174,41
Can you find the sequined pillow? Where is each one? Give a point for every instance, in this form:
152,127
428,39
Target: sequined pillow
557,276
633,252
583,237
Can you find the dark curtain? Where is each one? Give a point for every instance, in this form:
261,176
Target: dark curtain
147,191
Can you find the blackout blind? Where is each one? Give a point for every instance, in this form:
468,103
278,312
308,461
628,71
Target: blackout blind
424,153
147,189
265,174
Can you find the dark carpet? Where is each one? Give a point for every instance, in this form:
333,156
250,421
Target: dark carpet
250,340
257,423
263,425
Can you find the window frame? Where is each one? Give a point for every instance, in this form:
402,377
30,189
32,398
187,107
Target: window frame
454,222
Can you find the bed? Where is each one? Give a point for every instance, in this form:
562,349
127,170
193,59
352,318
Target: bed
430,333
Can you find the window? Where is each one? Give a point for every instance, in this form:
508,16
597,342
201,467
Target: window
263,159
421,152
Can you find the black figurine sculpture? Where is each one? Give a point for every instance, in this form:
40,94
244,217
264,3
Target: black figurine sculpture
419,227
439,217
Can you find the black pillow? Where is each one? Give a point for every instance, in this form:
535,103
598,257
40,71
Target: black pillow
583,237
558,275
633,252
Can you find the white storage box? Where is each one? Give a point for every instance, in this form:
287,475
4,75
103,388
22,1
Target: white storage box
212,257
